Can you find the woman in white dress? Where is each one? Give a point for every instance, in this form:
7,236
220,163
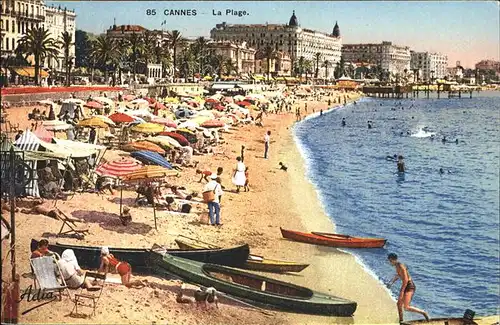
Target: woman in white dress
239,178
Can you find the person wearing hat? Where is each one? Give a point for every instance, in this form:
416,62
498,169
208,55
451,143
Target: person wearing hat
126,217
214,204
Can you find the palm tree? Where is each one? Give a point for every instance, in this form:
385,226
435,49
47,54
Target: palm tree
65,42
163,56
308,65
229,66
199,48
317,56
105,52
175,40
269,54
37,42
136,45
301,63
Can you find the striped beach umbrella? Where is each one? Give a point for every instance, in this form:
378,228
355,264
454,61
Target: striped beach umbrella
149,173
119,167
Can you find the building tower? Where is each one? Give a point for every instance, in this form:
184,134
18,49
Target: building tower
336,30
294,22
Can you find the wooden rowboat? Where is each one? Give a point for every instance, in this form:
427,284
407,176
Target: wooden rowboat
248,286
334,240
254,262
488,320
140,258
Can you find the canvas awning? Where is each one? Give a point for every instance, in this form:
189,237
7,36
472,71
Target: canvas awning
222,86
30,72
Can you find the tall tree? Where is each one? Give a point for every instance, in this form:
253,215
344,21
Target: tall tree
37,42
163,56
82,49
317,56
199,49
175,38
136,45
339,69
105,52
65,42
229,66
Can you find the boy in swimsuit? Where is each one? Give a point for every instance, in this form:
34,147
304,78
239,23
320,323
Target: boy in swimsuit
407,288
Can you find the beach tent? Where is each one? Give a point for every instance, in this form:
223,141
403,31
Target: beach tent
151,158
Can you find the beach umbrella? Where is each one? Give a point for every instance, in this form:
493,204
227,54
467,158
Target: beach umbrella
105,100
187,125
106,119
172,100
219,107
166,139
179,137
139,101
164,121
243,103
229,99
92,122
143,145
148,128
189,135
121,118
128,97
93,105
150,100
239,98
205,113
201,119
157,105
211,100
147,173
213,124
118,167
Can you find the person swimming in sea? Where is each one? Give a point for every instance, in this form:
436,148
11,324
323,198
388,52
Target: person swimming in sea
407,288
392,158
320,112
443,140
343,121
369,124
432,137
401,164
456,141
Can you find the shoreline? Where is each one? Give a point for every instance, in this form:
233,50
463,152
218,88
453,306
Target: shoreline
276,199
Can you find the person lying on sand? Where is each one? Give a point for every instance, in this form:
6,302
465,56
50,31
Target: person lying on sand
110,264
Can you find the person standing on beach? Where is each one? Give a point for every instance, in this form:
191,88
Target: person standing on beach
343,121
242,153
239,178
407,288
267,139
214,206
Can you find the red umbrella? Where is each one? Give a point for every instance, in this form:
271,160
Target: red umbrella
193,103
164,121
213,124
150,100
118,167
219,107
179,137
211,100
121,118
94,105
128,97
157,105
229,99
244,103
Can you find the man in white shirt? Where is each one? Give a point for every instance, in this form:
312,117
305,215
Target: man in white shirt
214,206
267,139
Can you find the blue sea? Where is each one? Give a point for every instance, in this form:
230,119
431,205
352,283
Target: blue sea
444,227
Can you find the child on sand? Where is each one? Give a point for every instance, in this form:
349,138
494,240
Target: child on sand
204,174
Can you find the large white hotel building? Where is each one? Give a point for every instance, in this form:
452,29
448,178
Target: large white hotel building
288,38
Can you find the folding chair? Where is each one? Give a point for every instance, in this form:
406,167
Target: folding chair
70,223
46,275
89,299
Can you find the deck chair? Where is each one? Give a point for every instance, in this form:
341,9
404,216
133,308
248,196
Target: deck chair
46,273
90,298
74,229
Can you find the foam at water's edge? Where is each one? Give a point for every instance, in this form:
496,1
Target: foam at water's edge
305,154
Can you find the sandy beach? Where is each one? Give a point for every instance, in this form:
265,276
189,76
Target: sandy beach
276,199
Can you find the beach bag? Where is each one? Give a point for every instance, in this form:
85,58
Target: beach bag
209,196
186,208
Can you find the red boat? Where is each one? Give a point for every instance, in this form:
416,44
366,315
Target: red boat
333,240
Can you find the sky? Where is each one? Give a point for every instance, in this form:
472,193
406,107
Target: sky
466,31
